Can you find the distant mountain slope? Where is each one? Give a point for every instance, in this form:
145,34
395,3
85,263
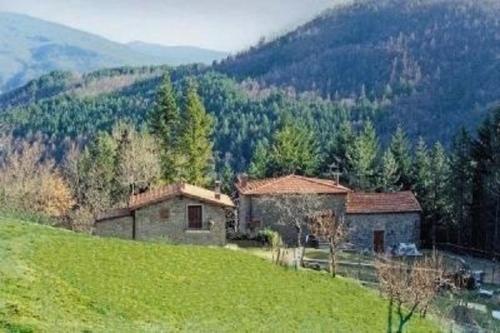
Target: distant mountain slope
178,55
30,47
433,64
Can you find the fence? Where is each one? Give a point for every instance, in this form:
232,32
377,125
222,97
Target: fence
467,251
475,260
458,313
350,264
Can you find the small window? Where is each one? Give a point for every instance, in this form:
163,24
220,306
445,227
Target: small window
195,217
254,225
164,213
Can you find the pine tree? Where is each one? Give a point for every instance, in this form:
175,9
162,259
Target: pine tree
400,149
294,150
422,180
195,146
227,178
362,158
460,191
338,148
98,172
421,170
439,205
121,188
164,124
389,173
486,184
260,164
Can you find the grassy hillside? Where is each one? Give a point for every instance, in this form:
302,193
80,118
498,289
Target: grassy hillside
57,281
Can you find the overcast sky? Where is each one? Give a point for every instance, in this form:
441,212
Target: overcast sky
219,24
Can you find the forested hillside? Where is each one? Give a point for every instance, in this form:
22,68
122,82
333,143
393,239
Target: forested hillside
326,97
63,106
431,65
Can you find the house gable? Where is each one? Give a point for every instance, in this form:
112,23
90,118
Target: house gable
291,184
179,213
382,203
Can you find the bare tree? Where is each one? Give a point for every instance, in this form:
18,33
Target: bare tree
327,226
293,211
30,182
138,162
410,287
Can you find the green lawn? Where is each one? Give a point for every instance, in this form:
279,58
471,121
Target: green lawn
57,281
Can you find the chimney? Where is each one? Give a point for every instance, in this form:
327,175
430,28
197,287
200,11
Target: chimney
243,179
217,189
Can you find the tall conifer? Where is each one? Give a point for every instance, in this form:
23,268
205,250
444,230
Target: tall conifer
195,146
362,158
165,124
400,149
294,150
389,173
260,163
460,191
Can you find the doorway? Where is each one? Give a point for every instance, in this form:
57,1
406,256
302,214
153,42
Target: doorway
378,241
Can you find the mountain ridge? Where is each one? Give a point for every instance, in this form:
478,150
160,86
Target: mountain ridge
31,47
175,55
429,64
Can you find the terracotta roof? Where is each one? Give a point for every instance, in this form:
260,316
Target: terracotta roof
181,189
291,184
373,203
113,214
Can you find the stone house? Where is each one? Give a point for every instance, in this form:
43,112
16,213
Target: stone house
381,220
256,208
179,213
375,220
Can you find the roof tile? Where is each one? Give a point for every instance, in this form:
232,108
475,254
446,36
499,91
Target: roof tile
165,192
373,203
291,184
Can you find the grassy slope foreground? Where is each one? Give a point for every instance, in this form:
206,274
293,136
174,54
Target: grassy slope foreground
57,281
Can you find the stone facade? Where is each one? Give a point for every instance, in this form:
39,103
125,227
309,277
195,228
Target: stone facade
118,227
397,228
167,220
259,212
173,225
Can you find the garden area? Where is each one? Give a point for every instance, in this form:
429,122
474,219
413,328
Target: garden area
461,310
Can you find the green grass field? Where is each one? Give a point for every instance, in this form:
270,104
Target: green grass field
57,281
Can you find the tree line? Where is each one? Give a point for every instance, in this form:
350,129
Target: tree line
458,188
174,145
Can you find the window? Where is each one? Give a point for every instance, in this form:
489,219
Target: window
164,213
195,217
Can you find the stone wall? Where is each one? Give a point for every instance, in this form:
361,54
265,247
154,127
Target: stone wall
398,228
168,220
263,209
120,227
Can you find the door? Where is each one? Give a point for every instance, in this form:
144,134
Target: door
378,241
195,217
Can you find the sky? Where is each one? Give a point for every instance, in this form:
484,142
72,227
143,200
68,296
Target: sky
226,25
